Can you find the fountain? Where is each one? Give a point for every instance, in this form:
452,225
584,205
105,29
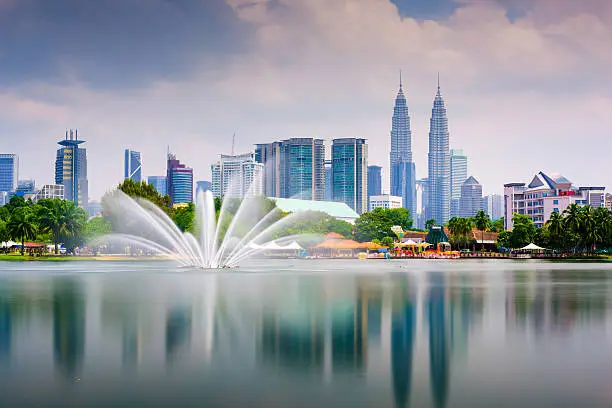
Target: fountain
243,228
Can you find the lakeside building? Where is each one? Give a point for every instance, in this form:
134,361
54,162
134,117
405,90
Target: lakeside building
458,174
385,201
494,206
179,181
237,176
9,172
51,191
132,166
159,183
402,167
293,168
470,201
374,181
547,194
337,210
608,200
439,173
71,169
349,173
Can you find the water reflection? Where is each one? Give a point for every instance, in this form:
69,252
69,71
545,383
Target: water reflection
409,339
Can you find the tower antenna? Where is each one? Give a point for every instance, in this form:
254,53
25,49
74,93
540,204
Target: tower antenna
400,78
233,143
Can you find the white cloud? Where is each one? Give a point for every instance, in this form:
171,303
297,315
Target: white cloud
522,95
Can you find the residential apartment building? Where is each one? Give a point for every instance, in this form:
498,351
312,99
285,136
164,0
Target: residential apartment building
544,195
237,176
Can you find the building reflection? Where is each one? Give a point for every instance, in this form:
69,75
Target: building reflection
68,326
403,327
547,302
178,331
6,329
439,311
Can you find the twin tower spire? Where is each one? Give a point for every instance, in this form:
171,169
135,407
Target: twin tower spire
403,172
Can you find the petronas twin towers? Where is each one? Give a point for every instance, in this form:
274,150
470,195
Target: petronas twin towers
403,173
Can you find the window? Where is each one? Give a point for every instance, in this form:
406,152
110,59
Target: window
555,202
556,210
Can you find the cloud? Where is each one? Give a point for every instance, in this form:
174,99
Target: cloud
522,84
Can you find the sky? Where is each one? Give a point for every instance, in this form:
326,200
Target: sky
526,82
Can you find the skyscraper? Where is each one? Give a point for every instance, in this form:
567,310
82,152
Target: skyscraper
180,181
471,198
374,181
329,185
438,189
237,176
349,173
9,172
293,168
26,188
459,174
403,172
494,206
133,166
71,169
160,183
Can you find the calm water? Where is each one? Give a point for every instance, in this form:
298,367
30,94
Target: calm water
307,333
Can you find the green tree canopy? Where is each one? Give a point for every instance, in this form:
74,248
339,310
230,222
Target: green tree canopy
146,191
22,225
61,219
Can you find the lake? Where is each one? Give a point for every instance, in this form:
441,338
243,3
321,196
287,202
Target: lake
307,333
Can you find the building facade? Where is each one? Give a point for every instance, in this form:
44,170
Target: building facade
349,173
374,181
494,206
51,191
293,168
132,166
402,167
608,201
237,176
385,201
160,183
459,173
26,188
329,185
179,181
544,195
419,218
471,198
9,172
71,169
203,186
439,185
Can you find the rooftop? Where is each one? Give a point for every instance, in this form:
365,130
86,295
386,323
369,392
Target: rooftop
338,210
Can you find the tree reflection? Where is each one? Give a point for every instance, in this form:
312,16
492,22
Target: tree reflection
68,326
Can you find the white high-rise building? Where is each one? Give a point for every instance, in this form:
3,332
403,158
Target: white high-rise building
237,176
494,206
385,201
459,173
50,191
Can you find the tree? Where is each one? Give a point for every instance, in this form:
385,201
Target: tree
497,225
22,225
373,225
460,229
183,217
556,231
429,224
4,235
482,222
97,227
61,219
340,227
388,242
398,216
523,231
146,191
573,221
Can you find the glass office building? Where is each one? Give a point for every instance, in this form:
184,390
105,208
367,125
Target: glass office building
180,181
9,172
132,166
71,169
160,183
349,173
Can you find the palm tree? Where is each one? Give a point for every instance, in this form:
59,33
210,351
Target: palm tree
573,220
429,224
483,222
22,225
555,227
60,218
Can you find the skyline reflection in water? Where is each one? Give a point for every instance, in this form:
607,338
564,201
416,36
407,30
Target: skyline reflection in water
300,333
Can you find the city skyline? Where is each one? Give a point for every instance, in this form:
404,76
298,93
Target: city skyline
191,103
